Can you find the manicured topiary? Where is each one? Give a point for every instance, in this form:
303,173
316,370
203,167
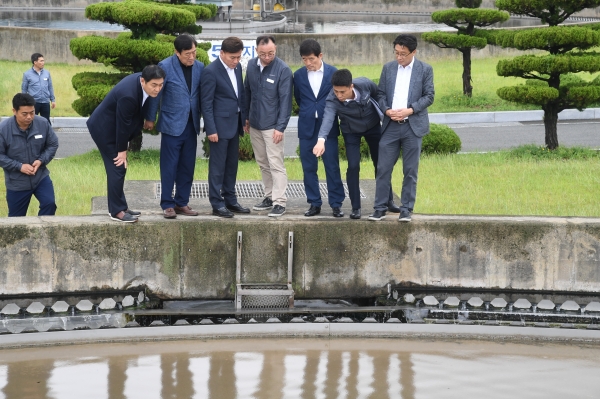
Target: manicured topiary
550,80
465,19
132,51
440,140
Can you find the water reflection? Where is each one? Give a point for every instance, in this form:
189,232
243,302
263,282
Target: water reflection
301,369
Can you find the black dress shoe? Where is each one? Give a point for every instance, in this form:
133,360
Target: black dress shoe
355,214
337,212
222,212
393,208
237,208
312,211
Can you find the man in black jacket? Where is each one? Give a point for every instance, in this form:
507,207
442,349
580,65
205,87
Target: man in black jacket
117,120
27,145
355,103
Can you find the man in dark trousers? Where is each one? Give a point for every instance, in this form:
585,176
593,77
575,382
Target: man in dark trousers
222,93
355,103
27,145
406,90
117,120
179,126
312,85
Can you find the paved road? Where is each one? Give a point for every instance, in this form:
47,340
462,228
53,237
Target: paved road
474,137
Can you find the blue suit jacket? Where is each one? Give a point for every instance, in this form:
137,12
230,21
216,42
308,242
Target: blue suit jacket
308,103
219,102
119,116
175,100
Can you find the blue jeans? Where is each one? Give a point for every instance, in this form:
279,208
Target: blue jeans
18,201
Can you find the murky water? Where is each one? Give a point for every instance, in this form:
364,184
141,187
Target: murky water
342,369
302,23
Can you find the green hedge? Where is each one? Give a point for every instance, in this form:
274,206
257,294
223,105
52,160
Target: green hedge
246,153
440,140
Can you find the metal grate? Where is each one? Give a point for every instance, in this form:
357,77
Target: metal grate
255,190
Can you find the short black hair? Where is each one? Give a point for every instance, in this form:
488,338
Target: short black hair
342,77
35,57
184,42
408,41
232,45
310,47
153,72
265,39
22,100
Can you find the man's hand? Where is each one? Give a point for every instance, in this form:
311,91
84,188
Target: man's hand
53,104
27,169
121,159
399,114
149,125
247,126
319,148
36,165
214,138
277,136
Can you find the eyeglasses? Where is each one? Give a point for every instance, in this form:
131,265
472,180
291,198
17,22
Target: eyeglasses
266,55
402,55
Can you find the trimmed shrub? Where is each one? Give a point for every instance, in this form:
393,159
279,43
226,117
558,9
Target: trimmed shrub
440,140
246,153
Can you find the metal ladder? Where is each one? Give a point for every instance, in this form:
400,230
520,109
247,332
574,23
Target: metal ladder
264,295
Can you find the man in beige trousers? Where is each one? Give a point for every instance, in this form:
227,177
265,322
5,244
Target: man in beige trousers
268,89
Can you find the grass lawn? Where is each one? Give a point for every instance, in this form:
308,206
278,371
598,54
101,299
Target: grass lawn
490,184
447,79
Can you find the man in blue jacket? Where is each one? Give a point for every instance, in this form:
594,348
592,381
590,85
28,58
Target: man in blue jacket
179,126
222,92
355,102
268,87
27,145
312,84
38,83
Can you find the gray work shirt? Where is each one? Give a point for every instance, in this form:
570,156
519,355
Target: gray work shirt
18,147
268,95
38,85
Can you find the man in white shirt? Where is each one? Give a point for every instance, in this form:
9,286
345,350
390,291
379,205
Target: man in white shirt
312,84
405,92
222,99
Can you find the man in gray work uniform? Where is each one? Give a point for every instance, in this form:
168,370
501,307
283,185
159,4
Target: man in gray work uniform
268,90
38,83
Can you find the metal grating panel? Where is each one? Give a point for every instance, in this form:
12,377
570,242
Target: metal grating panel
256,190
265,302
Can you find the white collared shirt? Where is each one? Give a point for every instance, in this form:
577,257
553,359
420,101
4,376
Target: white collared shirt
402,85
356,96
260,65
315,78
231,74
144,94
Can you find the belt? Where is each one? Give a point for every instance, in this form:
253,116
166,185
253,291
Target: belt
405,120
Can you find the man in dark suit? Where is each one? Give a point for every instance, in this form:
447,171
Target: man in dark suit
312,84
117,120
406,90
179,126
222,98
354,101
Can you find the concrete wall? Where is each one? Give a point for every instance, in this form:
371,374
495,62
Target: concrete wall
17,44
195,258
52,3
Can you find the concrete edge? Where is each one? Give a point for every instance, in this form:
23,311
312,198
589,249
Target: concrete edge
304,330
444,118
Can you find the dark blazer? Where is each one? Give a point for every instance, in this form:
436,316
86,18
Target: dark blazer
119,117
309,104
175,100
219,102
420,94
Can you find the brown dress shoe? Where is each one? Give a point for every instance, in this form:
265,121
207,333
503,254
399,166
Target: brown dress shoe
169,213
185,210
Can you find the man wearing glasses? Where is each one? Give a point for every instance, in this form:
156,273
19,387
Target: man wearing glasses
405,92
268,92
